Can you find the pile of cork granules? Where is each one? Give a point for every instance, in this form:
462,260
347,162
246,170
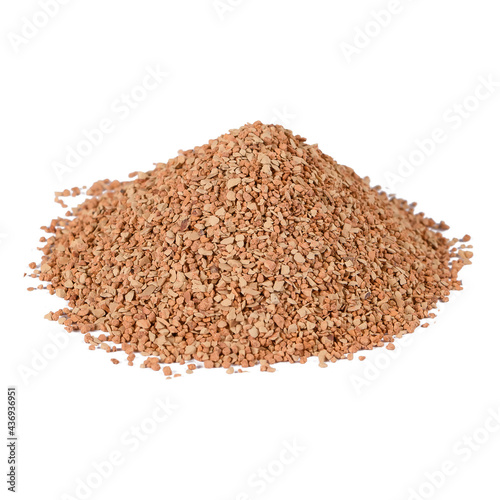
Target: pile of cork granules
253,249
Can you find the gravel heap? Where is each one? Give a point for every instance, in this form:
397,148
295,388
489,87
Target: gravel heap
255,248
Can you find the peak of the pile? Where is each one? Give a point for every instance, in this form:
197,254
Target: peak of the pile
253,135
255,152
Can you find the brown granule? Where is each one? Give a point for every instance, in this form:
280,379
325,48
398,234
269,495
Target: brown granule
255,248
61,202
114,361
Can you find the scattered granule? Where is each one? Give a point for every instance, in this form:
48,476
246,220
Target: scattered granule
189,371
61,202
255,248
114,361
191,366
322,356
230,370
390,346
362,358
177,375
167,370
153,363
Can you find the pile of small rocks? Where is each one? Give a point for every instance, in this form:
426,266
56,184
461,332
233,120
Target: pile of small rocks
255,248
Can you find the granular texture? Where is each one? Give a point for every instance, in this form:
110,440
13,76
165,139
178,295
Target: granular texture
255,248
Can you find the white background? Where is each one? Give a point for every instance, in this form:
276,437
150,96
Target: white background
365,430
